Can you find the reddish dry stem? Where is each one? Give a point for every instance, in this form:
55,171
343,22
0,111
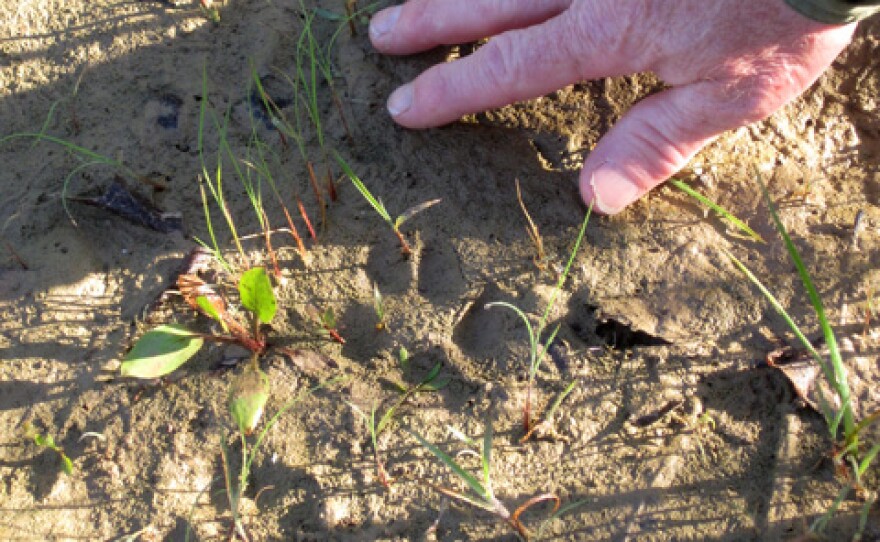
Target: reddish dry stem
14,255
331,187
349,11
282,138
300,246
335,335
322,205
514,518
302,212
404,246
267,232
338,105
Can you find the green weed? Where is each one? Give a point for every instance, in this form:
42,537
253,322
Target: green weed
479,492
379,207
538,351
849,451
47,441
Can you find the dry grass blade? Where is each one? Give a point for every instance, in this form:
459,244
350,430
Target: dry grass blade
514,518
532,230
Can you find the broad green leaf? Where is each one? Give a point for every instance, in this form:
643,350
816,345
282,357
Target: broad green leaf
257,295
247,398
160,351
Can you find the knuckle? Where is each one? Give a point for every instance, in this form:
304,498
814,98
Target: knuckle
501,68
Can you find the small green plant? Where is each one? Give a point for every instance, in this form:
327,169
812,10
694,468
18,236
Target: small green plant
379,309
849,454
247,399
326,323
165,348
377,204
48,441
538,351
209,11
375,427
479,492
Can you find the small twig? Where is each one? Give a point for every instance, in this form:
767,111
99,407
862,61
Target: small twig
14,255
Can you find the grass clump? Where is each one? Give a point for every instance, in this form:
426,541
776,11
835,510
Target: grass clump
850,454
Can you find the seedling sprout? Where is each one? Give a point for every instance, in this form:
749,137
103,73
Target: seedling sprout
537,351
428,384
165,348
379,207
48,441
479,492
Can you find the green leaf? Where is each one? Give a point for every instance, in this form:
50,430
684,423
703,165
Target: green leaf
66,464
257,295
247,398
403,357
717,208
472,482
160,351
365,192
209,309
46,441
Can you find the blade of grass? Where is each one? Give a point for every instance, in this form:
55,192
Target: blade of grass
742,226
467,477
838,376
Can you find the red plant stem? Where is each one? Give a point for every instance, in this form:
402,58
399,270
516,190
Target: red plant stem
302,212
267,232
331,187
404,246
322,205
335,335
338,105
15,256
300,246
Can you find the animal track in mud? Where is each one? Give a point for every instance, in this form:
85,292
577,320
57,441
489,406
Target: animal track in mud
162,115
439,273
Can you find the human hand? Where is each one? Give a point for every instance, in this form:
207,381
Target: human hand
729,63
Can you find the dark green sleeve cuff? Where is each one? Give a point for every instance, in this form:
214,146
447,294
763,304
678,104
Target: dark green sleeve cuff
835,11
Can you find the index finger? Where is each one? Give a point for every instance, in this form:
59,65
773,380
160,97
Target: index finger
514,66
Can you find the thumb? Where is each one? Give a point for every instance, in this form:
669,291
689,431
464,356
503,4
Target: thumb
653,141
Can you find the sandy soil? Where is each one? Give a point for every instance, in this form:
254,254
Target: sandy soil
653,316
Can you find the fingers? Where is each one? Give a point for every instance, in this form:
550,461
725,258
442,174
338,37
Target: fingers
514,66
422,24
657,138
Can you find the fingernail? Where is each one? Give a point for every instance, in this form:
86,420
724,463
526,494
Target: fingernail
400,100
383,22
612,191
